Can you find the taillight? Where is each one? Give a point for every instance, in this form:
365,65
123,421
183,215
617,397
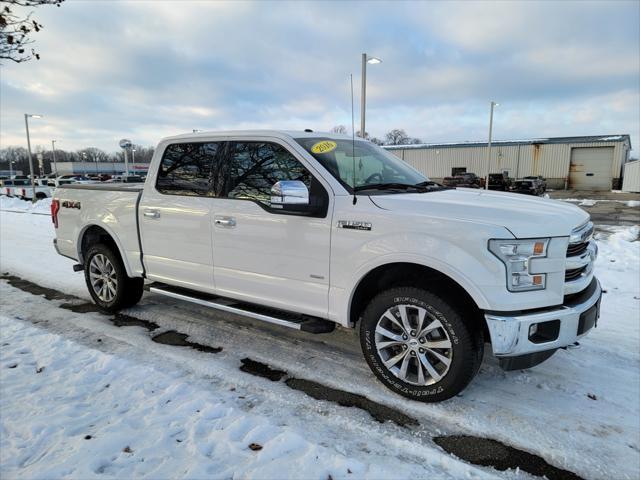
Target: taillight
55,208
24,193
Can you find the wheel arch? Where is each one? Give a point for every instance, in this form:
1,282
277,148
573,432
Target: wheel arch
404,274
92,234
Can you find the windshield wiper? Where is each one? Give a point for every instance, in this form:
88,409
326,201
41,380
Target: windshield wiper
386,186
431,186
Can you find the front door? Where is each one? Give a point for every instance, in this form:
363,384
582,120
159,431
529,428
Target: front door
263,255
175,217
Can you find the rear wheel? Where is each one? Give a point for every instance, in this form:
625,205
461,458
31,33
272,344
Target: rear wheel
418,344
107,280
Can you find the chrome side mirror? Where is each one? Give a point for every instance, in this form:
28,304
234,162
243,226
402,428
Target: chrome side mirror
289,193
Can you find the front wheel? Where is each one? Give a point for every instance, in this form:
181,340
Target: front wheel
107,280
418,344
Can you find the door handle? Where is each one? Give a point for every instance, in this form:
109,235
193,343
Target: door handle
228,222
151,213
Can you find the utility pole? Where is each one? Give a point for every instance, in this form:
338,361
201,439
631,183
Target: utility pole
363,93
53,150
33,181
363,100
486,178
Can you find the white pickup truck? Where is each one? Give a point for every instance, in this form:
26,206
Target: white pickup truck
23,189
309,230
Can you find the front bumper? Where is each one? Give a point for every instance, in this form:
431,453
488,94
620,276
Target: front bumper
510,332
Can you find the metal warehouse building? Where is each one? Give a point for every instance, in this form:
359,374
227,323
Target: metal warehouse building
580,163
631,181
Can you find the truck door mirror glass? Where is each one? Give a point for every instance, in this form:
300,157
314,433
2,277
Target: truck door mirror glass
290,195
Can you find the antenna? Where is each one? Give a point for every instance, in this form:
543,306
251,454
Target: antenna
353,143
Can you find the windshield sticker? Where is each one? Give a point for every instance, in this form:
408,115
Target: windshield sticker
324,147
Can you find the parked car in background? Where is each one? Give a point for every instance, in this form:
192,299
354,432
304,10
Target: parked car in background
277,226
61,180
499,181
471,180
526,187
465,180
132,179
540,182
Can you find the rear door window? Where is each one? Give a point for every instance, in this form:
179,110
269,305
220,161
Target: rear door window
187,169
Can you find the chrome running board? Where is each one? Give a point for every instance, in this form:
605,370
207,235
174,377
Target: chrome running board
277,317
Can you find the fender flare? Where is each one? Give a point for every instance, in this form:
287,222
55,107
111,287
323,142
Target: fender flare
115,239
441,267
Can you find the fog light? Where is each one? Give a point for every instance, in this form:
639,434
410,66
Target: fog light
544,331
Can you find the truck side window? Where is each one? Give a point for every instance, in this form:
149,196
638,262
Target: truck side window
254,167
186,169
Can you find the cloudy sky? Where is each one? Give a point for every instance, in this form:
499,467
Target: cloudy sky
148,69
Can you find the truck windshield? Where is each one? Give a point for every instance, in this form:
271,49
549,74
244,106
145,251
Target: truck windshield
375,168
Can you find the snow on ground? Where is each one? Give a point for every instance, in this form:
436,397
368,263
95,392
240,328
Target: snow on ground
75,412
588,202
12,204
546,410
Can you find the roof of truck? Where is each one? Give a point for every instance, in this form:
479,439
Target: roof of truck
258,133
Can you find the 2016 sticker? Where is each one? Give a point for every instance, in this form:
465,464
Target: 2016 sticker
324,147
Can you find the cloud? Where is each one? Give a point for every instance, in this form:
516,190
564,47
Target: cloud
144,70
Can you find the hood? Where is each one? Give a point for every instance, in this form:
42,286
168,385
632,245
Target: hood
524,216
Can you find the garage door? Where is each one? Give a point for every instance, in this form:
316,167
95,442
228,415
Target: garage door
590,168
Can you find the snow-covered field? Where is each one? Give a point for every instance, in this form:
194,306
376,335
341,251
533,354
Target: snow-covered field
161,411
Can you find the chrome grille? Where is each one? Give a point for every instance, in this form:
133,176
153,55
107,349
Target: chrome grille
576,248
581,254
573,273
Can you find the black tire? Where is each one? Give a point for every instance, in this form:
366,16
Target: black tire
128,291
465,353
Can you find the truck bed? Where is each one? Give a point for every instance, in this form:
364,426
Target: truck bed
112,208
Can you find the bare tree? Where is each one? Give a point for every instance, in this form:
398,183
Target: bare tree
341,129
16,29
377,141
93,154
397,136
415,141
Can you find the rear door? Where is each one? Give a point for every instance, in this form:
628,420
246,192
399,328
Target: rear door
175,216
264,255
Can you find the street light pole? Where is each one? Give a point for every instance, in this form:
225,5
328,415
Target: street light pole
133,159
486,178
363,100
33,181
363,93
53,150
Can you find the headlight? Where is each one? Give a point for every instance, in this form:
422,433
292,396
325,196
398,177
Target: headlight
516,254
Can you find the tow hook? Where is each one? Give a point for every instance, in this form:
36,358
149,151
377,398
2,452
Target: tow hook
78,267
573,346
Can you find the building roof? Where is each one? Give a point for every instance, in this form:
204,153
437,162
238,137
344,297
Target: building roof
533,141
